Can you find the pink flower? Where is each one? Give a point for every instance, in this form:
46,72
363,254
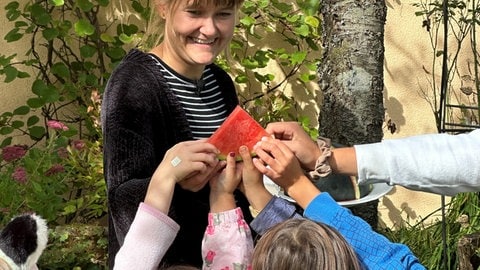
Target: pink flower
11,153
56,168
20,175
210,230
57,125
210,256
78,144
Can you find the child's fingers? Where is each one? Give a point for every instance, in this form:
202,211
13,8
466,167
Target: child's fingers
246,157
231,164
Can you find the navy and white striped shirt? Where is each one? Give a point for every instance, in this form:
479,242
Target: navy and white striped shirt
201,100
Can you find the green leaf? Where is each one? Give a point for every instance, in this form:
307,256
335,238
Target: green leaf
249,63
61,70
69,133
12,5
35,102
50,33
87,51
37,187
40,14
13,35
305,77
85,5
125,38
7,141
248,21
103,3
107,38
312,21
298,57
22,110
17,124
20,24
302,30
127,29
57,3
32,120
69,209
10,73
13,14
83,28
6,130
36,132
39,87
6,115
241,79
115,53
283,7
51,95
22,74
5,61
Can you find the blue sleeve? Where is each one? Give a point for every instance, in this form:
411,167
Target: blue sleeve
276,211
374,250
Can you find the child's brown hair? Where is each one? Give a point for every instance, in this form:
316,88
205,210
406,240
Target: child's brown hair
298,244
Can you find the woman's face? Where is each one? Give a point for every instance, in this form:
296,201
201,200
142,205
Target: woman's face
195,35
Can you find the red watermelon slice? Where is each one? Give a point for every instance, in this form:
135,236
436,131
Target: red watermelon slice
238,129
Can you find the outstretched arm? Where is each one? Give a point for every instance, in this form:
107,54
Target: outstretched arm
151,226
374,250
437,163
227,242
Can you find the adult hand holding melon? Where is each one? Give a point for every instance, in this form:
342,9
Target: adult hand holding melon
238,129
241,129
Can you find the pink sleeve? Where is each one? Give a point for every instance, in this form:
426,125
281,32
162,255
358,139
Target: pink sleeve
149,237
227,242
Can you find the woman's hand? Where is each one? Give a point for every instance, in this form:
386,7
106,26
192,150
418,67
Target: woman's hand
190,163
299,142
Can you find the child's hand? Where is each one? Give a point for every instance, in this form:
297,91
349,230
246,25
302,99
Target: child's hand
251,176
224,185
284,169
252,182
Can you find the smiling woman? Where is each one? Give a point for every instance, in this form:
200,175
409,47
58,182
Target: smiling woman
155,99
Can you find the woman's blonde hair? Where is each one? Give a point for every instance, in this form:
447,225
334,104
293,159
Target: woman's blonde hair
298,244
156,24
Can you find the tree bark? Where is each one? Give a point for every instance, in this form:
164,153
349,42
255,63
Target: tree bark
466,252
351,76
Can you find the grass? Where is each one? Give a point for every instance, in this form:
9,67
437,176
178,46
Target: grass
436,244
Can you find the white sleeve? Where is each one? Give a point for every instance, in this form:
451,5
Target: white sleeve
438,163
148,239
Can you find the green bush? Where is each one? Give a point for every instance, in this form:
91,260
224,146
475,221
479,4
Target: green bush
62,181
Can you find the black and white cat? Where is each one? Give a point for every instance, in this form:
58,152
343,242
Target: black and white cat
22,241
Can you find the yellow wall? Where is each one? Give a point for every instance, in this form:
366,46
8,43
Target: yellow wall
407,49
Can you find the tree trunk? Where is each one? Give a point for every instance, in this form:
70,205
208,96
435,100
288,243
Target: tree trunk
351,76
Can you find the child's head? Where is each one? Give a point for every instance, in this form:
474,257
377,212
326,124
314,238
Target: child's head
303,244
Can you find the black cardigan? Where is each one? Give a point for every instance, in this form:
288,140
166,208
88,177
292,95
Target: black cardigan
141,120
